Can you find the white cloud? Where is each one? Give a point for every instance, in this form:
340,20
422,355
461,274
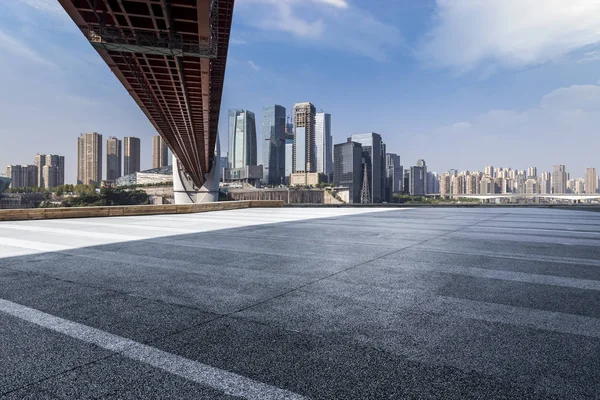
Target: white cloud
331,23
50,6
509,33
253,65
563,127
21,49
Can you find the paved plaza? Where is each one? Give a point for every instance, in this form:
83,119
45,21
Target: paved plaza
303,303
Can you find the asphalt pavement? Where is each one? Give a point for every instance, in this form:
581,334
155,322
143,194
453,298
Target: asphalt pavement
302,303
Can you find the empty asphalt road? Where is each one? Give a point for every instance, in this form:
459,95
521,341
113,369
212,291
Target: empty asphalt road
303,303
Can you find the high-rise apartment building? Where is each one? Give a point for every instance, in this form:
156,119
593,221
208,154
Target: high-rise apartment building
559,179
50,174
324,143
348,168
446,184
22,175
274,157
132,157
114,158
374,156
489,171
41,160
591,181
89,159
531,186
160,153
532,172
242,139
472,184
304,150
545,183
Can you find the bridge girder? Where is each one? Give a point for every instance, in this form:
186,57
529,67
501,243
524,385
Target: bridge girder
170,55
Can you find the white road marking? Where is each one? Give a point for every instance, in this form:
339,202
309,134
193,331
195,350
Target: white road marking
216,378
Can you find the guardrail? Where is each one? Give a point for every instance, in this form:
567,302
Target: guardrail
122,211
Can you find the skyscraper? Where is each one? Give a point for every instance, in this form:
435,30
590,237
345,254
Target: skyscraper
323,143
532,172
394,173
132,155
418,179
273,127
160,153
242,139
113,158
591,181
304,150
348,168
89,159
559,179
375,160
489,170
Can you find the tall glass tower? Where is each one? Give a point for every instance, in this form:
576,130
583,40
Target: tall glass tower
242,139
323,142
273,128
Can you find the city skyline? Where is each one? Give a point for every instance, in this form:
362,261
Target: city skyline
508,100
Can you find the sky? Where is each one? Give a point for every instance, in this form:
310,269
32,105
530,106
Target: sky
459,83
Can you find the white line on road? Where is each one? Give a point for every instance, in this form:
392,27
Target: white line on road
225,381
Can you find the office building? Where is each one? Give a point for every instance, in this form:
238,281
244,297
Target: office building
131,160
418,179
433,183
160,153
374,156
89,159
324,143
274,137
591,181
113,158
394,174
348,168
304,150
242,139
559,179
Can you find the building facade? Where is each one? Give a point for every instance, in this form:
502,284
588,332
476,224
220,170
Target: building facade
89,159
591,181
22,176
50,174
304,152
160,152
559,179
274,142
114,158
394,174
324,143
418,179
374,158
242,139
131,159
348,168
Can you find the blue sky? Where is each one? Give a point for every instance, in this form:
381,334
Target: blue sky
459,83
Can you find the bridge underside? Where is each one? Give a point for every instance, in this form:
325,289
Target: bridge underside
170,55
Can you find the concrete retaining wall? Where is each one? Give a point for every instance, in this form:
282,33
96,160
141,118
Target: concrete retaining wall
120,211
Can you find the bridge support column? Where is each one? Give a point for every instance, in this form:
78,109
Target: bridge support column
184,190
